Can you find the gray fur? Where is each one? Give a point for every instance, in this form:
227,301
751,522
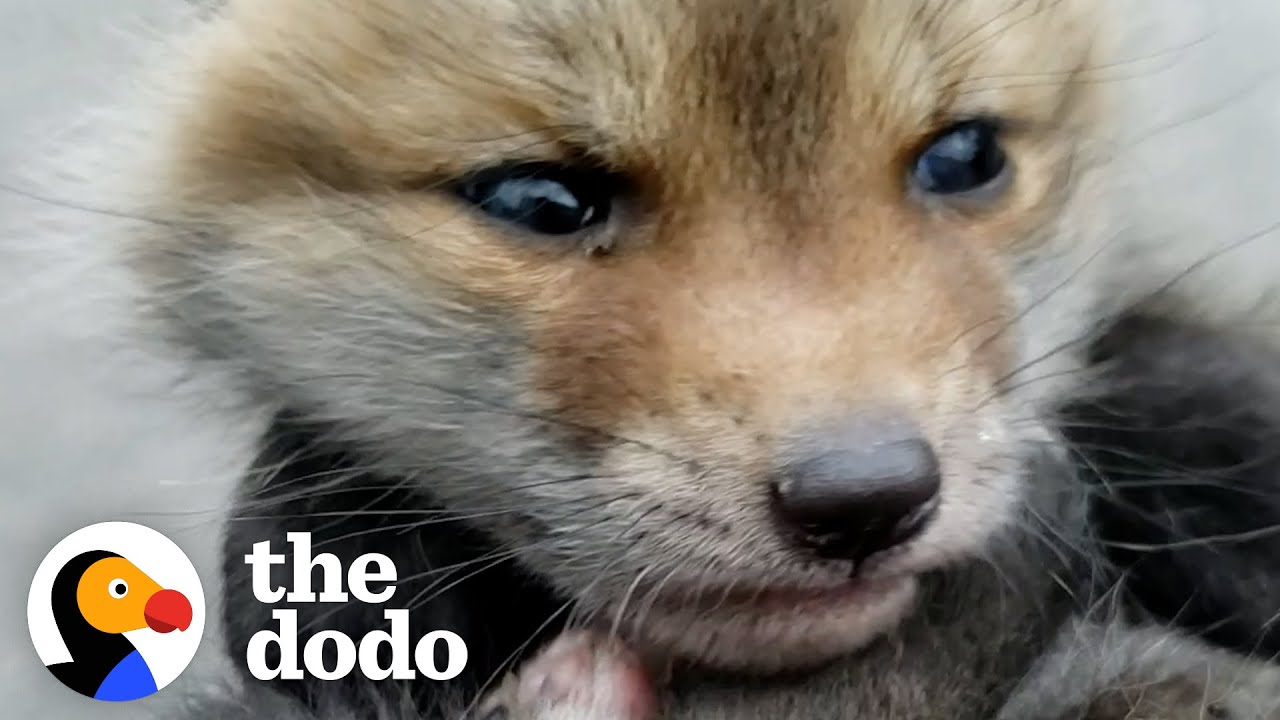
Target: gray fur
260,702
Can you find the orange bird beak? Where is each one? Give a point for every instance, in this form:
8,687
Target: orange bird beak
168,610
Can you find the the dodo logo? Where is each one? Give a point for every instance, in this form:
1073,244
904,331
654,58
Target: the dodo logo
116,611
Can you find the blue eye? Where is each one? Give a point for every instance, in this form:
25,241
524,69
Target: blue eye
544,198
961,159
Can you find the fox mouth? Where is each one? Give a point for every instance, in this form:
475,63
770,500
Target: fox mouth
766,629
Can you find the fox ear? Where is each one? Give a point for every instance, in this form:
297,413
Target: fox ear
1181,446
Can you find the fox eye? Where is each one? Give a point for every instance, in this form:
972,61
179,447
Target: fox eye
963,158
545,198
118,588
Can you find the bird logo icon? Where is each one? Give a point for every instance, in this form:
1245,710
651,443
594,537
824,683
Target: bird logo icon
120,628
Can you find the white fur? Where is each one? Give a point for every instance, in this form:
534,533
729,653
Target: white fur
1200,152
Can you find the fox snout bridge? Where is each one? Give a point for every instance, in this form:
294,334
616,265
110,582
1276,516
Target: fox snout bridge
857,487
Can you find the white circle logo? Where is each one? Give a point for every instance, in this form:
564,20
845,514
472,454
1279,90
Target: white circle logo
116,611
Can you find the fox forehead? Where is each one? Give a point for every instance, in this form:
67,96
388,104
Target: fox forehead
771,136
745,89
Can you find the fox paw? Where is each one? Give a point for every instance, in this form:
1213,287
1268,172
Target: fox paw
579,676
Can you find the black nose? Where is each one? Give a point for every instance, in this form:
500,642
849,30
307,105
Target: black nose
858,487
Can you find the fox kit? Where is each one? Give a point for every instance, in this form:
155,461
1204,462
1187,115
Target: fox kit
731,328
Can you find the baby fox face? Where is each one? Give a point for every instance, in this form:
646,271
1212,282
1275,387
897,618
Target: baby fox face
709,308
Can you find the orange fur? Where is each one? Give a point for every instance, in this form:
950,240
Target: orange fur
769,193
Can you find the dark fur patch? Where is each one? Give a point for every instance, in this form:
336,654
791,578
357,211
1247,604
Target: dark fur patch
1184,452
451,578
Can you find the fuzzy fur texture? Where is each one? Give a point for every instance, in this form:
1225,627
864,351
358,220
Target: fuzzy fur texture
280,238
1113,656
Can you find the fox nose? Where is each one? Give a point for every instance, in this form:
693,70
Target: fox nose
858,487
